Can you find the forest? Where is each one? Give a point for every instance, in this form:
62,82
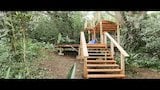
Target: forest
28,40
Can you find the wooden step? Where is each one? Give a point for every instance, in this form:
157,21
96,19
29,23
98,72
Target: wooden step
106,76
99,54
103,51
102,65
97,48
98,45
108,57
101,61
103,70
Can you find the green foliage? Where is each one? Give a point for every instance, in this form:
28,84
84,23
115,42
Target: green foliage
142,60
131,31
151,35
13,37
141,38
45,30
49,27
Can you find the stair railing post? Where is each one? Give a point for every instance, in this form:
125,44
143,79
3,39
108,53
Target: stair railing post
105,39
112,49
122,64
81,52
85,68
105,55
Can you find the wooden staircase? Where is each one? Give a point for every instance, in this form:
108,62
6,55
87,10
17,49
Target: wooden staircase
100,64
98,59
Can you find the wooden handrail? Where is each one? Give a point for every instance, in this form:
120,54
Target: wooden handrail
83,45
123,52
84,52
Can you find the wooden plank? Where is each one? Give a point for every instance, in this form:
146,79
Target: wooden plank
102,65
98,51
106,76
96,44
105,30
105,61
67,45
109,57
106,26
103,70
117,45
99,54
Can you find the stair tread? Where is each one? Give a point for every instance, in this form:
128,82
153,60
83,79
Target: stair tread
102,65
105,75
97,48
98,51
99,54
103,70
99,57
101,61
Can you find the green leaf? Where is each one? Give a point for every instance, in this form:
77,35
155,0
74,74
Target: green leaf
71,74
7,73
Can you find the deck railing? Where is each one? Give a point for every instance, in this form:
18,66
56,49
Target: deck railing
123,53
83,52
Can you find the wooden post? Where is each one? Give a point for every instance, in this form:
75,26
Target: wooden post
79,53
122,64
105,55
60,51
101,32
85,68
118,34
112,48
89,36
94,34
105,38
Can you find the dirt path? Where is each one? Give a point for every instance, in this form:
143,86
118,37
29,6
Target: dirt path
143,73
57,67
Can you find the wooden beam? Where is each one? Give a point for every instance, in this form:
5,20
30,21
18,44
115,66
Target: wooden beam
117,45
